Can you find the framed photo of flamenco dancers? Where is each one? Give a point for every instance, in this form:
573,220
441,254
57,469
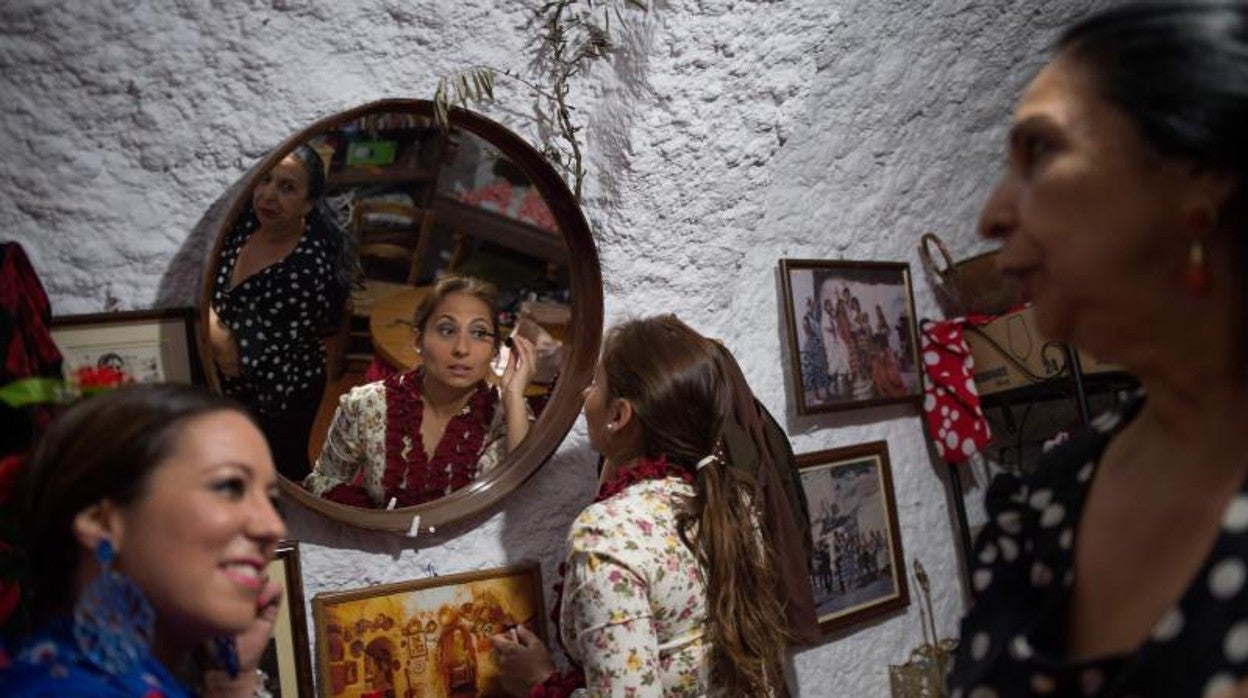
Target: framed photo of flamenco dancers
287,661
428,637
857,570
852,334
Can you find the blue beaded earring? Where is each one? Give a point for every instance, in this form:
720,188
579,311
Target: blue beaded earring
113,622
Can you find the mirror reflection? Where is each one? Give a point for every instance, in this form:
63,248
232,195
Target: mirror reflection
280,286
418,435
393,303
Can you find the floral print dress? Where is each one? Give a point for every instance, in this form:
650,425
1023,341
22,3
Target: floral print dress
634,603
49,664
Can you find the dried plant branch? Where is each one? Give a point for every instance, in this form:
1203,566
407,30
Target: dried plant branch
573,35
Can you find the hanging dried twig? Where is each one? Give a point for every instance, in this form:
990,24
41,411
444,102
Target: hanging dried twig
574,34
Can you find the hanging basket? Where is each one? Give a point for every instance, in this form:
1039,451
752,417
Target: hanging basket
972,286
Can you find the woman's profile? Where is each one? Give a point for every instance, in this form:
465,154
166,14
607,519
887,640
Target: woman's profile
1119,567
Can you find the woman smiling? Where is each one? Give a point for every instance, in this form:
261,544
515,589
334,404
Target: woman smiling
149,522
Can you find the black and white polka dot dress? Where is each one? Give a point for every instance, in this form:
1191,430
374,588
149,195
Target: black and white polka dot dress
277,316
1011,640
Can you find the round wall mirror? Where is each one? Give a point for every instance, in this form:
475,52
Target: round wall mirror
310,312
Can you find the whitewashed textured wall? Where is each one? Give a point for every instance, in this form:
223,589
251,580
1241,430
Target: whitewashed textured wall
724,135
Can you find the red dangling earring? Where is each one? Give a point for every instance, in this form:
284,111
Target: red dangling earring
1200,223
1197,273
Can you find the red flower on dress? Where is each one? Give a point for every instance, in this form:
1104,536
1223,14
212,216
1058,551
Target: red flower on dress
10,468
561,685
10,595
411,477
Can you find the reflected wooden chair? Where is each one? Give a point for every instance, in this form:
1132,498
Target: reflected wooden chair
394,235
391,237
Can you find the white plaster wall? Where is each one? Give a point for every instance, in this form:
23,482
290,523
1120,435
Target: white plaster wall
725,135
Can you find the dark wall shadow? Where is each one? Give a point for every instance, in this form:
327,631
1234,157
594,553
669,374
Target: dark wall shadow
179,286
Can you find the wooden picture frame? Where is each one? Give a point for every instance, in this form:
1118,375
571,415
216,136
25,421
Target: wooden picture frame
149,345
287,661
857,570
428,637
853,340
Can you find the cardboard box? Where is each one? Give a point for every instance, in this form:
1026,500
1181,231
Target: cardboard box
1009,353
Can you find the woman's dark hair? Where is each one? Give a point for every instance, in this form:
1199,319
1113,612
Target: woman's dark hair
684,388
1178,70
104,447
483,291
323,222
314,167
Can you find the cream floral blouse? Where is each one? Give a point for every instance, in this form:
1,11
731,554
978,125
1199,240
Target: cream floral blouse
357,442
634,603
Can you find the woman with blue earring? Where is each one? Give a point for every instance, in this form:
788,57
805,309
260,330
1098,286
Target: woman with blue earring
148,524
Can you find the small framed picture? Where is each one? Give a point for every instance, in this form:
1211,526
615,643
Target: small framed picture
857,570
287,661
148,345
429,637
852,334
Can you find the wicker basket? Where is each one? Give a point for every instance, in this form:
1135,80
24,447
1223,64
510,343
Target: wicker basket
971,286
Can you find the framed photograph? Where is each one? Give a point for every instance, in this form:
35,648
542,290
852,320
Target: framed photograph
287,661
852,334
149,345
856,570
429,637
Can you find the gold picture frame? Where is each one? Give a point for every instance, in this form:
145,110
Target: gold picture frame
428,637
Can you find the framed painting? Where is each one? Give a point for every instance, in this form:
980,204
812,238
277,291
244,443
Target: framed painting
148,345
287,661
857,570
852,334
429,637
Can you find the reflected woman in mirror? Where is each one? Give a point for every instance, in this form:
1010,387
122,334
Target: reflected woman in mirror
670,585
148,518
418,436
280,287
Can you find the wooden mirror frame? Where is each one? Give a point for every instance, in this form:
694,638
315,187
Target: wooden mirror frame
585,282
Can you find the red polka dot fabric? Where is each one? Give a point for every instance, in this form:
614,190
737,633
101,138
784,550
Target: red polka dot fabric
955,421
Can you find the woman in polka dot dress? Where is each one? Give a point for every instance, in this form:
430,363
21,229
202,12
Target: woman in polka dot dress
1119,568
281,284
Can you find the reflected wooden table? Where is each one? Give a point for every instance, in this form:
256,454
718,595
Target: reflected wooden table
390,327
